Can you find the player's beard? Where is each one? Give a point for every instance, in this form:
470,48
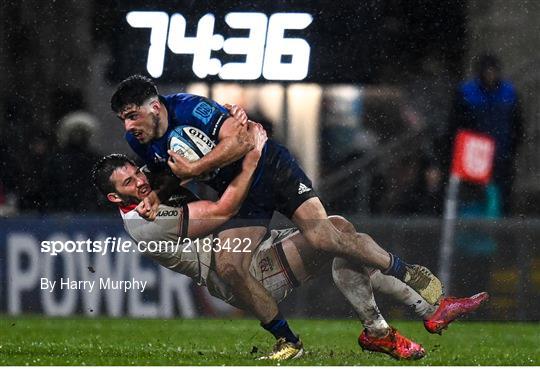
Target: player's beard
128,200
155,126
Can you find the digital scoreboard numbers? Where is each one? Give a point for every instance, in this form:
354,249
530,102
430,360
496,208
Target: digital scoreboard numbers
263,49
266,40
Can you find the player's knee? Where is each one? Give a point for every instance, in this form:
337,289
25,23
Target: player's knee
364,239
342,224
338,267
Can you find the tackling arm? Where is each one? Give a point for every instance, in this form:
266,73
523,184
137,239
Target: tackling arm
235,140
205,216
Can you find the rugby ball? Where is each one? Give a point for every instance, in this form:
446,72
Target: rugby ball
190,142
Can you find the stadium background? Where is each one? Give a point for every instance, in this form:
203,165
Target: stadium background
380,81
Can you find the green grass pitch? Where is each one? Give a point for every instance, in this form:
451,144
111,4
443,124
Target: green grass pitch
104,341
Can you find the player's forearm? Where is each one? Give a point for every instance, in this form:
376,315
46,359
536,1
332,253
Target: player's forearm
228,150
230,202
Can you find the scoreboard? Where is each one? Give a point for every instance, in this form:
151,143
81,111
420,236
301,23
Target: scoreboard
186,41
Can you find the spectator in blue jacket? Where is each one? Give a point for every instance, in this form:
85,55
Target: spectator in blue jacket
488,104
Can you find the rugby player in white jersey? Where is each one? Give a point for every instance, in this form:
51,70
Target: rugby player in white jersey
280,263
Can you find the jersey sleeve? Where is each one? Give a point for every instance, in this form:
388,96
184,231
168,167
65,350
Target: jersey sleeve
171,223
200,112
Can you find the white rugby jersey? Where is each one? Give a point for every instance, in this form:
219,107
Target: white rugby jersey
267,266
179,253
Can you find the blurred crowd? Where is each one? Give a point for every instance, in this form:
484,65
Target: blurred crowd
409,172
52,174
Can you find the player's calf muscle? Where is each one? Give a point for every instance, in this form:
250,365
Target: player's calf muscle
323,238
366,248
358,246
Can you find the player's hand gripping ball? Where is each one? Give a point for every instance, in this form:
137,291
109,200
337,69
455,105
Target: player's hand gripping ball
192,144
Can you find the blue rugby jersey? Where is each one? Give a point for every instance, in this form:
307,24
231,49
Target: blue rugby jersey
276,180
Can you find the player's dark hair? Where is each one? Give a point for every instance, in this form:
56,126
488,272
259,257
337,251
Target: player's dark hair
133,90
104,168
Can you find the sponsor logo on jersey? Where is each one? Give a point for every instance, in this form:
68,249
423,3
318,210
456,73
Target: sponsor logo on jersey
199,138
266,265
302,188
167,213
203,111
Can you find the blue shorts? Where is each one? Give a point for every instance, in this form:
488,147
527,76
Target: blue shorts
279,185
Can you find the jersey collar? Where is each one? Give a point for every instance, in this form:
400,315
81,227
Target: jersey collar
128,208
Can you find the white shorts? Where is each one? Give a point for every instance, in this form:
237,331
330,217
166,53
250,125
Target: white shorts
268,265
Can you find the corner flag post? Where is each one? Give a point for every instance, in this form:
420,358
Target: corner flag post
472,161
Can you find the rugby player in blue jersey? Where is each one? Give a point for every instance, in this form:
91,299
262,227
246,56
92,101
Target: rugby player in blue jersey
279,185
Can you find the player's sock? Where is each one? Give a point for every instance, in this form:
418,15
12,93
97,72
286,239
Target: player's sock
353,282
397,267
280,328
401,292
